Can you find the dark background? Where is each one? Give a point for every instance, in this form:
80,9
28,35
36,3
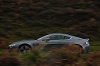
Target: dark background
31,19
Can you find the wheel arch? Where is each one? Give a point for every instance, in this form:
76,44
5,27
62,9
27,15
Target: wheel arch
79,45
82,50
26,45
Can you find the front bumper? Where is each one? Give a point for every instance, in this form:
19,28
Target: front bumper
11,46
10,49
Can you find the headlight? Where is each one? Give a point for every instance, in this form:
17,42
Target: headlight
12,45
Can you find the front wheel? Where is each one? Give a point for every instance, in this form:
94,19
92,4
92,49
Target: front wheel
24,49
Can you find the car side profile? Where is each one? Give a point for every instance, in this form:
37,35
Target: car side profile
52,39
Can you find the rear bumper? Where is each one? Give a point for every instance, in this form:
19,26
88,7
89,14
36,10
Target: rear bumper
87,49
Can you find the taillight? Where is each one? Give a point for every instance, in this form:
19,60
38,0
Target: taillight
87,42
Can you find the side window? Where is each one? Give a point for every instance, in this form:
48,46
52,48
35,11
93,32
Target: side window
58,37
66,37
53,37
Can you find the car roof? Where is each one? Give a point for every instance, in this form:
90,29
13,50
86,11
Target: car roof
59,34
63,34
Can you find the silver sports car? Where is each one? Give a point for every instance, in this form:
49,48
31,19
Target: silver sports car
51,39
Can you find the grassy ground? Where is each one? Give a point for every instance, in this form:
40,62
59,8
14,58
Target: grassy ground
56,57
95,43
95,46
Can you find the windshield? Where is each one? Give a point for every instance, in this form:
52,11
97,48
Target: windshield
41,38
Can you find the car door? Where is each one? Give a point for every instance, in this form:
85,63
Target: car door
54,41
57,41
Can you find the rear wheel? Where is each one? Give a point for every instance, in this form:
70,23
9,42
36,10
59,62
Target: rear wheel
24,49
76,49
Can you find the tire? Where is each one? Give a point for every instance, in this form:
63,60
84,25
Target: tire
24,49
76,49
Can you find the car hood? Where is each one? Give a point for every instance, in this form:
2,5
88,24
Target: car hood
25,41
